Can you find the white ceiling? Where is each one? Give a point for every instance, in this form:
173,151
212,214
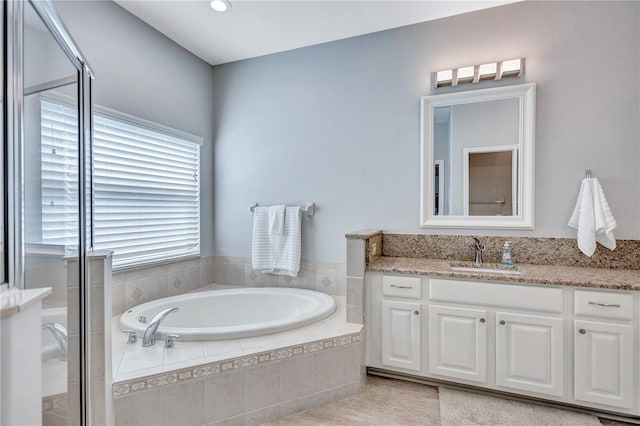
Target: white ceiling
256,28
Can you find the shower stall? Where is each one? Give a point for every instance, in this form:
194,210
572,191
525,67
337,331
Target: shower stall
46,215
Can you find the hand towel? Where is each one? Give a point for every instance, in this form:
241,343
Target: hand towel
273,253
276,220
592,218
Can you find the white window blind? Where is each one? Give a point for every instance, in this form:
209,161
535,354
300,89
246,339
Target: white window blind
146,192
59,182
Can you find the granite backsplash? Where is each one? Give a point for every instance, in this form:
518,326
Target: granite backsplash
525,250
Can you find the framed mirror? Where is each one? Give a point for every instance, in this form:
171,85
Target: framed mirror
477,158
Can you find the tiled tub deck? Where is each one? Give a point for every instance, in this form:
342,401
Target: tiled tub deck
237,382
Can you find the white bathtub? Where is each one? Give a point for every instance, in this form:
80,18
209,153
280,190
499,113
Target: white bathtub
233,314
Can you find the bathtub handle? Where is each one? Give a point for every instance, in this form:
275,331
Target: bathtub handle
169,341
133,337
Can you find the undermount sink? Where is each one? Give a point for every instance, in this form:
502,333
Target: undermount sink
486,268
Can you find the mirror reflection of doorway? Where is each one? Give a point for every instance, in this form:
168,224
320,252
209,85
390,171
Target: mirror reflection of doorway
438,190
492,182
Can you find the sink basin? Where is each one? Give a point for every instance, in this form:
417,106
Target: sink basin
486,268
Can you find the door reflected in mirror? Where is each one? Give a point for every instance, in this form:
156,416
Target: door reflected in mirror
479,147
491,183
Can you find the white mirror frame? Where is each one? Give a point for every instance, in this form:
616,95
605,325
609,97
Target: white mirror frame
526,96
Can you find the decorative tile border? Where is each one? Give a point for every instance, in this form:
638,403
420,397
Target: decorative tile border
128,387
55,402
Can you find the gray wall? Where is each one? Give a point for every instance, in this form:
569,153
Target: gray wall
141,72
338,123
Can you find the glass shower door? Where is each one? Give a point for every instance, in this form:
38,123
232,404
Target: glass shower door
51,201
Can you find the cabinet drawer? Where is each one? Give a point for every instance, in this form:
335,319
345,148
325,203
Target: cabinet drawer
603,304
405,287
542,299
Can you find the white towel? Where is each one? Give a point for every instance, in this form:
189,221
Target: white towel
276,220
273,253
592,218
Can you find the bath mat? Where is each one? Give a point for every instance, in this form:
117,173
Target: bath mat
458,408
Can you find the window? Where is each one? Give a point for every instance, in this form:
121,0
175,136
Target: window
146,186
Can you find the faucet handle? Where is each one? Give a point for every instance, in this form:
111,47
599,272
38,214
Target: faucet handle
133,337
169,341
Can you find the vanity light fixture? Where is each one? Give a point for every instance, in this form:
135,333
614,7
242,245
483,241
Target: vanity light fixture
466,74
221,5
444,78
476,73
512,68
487,71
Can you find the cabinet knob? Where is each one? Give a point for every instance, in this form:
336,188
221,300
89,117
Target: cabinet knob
483,320
416,312
502,322
582,331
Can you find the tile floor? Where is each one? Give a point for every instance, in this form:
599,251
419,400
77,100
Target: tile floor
382,402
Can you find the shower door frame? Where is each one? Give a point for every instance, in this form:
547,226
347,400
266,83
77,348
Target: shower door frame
13,112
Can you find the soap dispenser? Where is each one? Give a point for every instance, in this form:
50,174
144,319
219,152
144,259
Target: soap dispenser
506,254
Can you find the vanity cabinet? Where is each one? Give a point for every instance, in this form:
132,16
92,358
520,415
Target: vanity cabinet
401,334
603,362
530,353
560,343
401,313
458,342
604,344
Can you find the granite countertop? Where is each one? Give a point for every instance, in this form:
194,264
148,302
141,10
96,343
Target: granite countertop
617,279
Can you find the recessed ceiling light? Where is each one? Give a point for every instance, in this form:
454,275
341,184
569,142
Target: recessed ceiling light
221,5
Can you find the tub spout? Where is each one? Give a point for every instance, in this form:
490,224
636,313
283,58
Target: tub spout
59,332
149,337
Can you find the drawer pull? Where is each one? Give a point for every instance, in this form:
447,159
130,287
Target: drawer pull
416,312
400,286
502,322
482,320
606,305
582,331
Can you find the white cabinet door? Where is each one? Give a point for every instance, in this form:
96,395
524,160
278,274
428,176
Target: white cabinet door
530,353
603,362
401,334
458,343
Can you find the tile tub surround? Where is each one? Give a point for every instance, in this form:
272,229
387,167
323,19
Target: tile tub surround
242,381
525,250
362,248
100,285
132,287
135,286
325,277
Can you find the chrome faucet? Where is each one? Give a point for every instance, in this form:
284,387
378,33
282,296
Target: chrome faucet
479,249
60,334
149,337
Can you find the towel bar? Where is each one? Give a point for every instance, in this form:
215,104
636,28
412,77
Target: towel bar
309,209
499,202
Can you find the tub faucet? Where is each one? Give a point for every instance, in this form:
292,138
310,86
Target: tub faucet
149,337
479,249
60,334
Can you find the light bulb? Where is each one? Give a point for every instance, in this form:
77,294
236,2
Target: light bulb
220,5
